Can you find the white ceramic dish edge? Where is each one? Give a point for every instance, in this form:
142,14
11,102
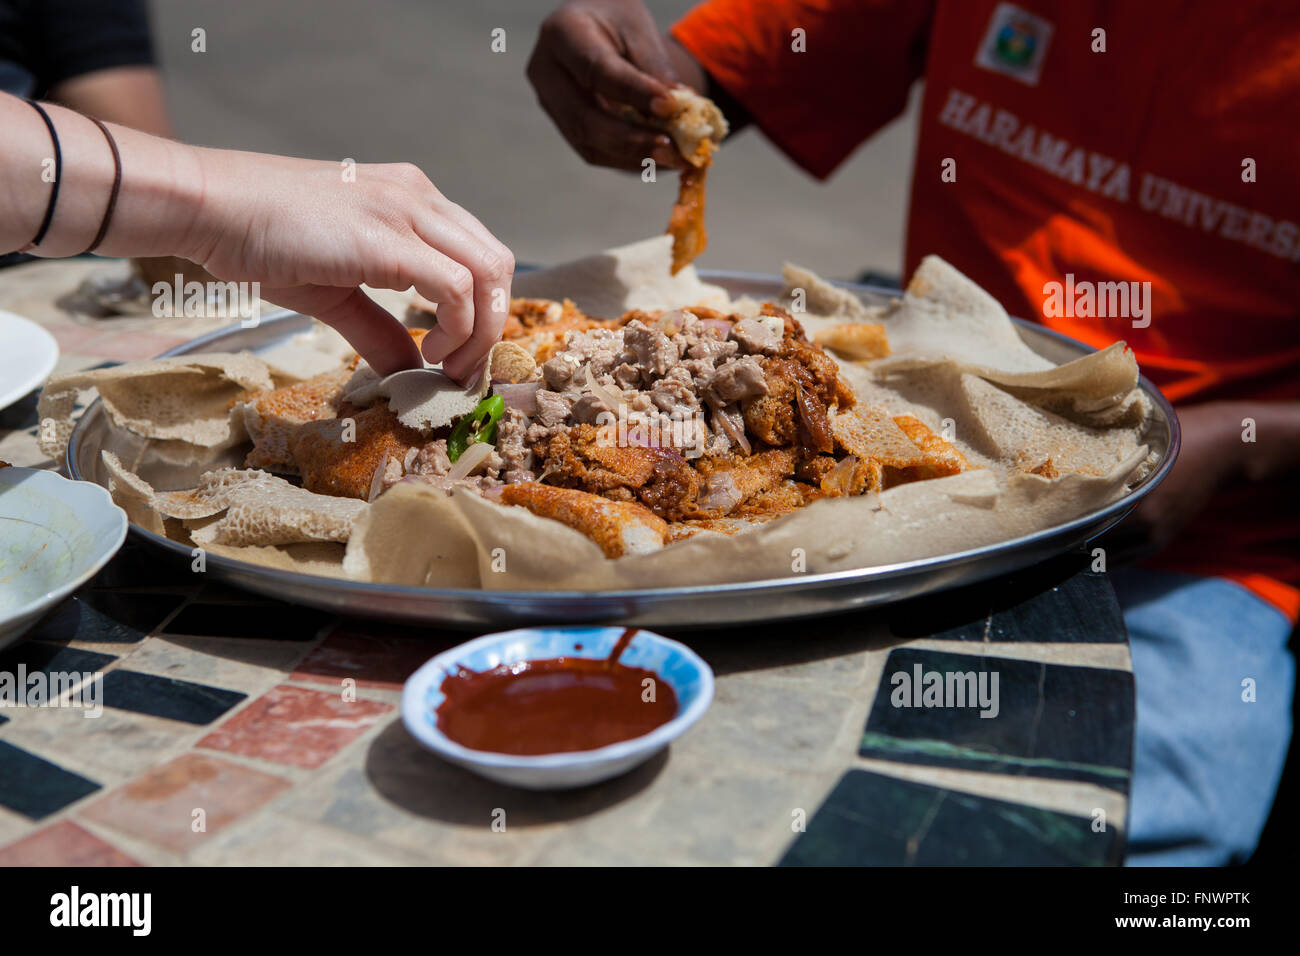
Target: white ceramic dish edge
547,771
92,508
38,372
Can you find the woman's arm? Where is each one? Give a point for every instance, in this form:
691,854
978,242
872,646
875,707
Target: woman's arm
310,232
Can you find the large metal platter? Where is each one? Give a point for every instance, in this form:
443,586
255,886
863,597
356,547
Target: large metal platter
714,605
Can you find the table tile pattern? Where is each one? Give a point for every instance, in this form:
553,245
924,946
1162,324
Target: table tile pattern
299,730
167,697
886,820
1084,613
275,622
1048,723
164,805
293,725
96,615
35,787
239,730
63,844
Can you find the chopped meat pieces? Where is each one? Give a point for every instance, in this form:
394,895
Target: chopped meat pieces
738,379
654,351
591,459
675,393
432,459
512,446
559,370
756,336
712,347
552,407
719,422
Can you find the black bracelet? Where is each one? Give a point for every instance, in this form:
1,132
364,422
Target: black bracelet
58,175
117,186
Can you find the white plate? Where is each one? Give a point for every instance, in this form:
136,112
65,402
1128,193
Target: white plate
54,535
27,356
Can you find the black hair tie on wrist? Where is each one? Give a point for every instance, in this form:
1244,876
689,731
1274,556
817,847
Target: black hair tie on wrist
117,186
58,175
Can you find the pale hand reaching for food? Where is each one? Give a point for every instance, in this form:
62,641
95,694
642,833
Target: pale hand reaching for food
311,238
310,232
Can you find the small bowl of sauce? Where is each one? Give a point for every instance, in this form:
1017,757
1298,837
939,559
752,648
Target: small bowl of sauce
556,707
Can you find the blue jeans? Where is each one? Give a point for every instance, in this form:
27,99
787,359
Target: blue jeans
1206,762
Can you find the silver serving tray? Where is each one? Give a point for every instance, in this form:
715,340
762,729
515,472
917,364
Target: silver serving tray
713,605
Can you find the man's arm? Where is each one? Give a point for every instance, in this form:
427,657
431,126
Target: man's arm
1214,455
817,78
593,56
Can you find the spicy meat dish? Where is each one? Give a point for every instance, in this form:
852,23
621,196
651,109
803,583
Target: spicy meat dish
684,434
638,430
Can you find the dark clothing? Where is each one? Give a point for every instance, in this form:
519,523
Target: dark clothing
44,42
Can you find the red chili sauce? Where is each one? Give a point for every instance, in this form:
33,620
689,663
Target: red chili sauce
554,706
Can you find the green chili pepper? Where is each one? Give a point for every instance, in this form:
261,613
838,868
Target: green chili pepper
478,425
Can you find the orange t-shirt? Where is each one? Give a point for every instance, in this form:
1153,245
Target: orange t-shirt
1080,143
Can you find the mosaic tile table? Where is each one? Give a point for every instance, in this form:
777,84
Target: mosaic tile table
220,701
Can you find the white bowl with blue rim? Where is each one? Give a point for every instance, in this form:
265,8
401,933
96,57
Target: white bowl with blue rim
681,668
55,535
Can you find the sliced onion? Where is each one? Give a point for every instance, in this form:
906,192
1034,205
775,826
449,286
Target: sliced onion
469,459
522,396
377,480
815,425
722,326
606,395
735,432
839,480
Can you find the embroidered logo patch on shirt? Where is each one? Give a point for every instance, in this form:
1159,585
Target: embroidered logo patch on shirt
1015,44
